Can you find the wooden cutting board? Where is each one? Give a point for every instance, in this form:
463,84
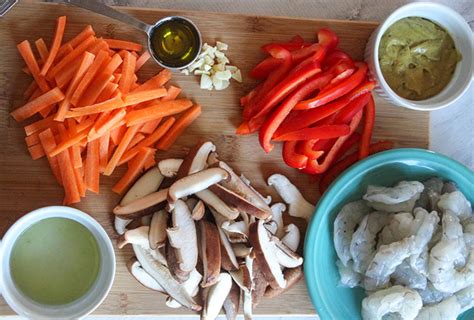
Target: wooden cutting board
26,185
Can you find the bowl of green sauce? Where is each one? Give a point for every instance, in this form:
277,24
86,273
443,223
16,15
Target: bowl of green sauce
421,56
56,263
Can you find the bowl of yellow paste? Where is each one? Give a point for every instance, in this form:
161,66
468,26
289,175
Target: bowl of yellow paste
421,56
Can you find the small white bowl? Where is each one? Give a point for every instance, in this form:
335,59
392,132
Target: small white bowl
462,35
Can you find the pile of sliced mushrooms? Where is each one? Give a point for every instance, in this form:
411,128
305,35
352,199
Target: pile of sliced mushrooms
203,236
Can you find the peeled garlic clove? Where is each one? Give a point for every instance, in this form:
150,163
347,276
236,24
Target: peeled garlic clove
221,46
206,82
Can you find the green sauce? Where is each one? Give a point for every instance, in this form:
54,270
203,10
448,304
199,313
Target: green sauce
175,43
417,58
55,261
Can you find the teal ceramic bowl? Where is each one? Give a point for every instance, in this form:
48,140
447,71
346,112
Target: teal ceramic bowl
331,300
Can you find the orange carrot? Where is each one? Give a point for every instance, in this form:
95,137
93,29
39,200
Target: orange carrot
32,140
156,82
114,63
71,56
117,77
150,126
63,51
68,142
95,89
128,71
99,45
172,93
91,172
81,186
142,60
39,125
142,96
42,49
83,35
65,76
117,132
35,94
31,89
48,142
99,130
24,112
125,141
76,156
136,139
183,122
150,162
134,169
88,77
36,152
47,111
157,110
104,151
150,140
86,62
67,172
109,90
85,125
108,105
58,38
27,54
123,45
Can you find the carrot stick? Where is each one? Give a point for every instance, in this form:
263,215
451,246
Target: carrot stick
81,186
95,89
117,132
128,71
114,63
108,105
67,172
150,162
117,77
35,94
150,126
125,141
36,152
182,123
42,49
65,76
123,45
109,90
48,142
76,156
157,110
99,130
71,56
172,93
88,77
148,141
27,54
39,125
104,151
51,97
156,82
142,96
142,60
63,51
58,38
136,139
47,111
32,140
84,125
83,35
68,142
99,45
31,89
134,169
86,62
91,172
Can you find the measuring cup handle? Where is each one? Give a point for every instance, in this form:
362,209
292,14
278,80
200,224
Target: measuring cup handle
107,11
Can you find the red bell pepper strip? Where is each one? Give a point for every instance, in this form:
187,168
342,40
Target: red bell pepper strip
306,148
291,157
314,167
338,91
272,123
348,161
328,38
243,128
273,79
281,90
320,132
249,96
303,53
263,69
347,113
368,128
348,144
335,57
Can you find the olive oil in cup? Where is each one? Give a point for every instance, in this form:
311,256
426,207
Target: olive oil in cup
56,263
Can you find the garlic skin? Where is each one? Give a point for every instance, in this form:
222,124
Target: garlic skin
212,66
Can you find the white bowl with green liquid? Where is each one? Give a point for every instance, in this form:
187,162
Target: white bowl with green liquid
56,263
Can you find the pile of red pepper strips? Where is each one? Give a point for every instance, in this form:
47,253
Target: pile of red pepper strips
312,98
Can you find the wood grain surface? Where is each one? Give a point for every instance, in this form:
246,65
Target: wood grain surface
26,185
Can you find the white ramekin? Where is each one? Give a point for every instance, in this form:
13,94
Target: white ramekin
77,309
462,35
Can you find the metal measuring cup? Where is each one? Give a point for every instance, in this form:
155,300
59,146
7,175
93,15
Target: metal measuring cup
107,11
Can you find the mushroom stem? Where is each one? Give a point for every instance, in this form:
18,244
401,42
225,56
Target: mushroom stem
138,236
142,276
292,276
140,204
169,167
217,204
217,295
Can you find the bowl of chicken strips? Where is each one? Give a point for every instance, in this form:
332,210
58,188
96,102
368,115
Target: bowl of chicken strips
393,238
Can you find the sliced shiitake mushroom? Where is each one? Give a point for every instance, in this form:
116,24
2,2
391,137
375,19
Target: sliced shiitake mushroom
228,259
260,284
236,232
210,252
169,167
137,236
267,199
292,237
216,296
198,211
163,276
174,264
142,276
266,255
194,183
217,204
142,206
292,276
157,235
277,216
196,159
191,286
285,256
241,250
232,302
